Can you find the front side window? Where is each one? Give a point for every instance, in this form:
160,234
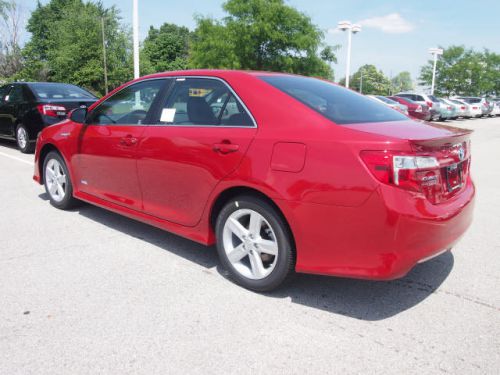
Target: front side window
203,101
129,106
336,103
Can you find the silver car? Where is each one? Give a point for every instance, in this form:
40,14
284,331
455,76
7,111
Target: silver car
484,104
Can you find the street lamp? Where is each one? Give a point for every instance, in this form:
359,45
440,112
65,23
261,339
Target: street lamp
351,29
435,52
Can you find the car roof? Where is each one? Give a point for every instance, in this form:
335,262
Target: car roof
220,73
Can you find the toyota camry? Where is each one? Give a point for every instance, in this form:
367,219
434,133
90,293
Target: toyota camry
283,173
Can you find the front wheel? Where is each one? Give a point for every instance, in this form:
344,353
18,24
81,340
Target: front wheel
57,182
254,244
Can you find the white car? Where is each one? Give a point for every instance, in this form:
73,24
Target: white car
390,103
472,109
496,109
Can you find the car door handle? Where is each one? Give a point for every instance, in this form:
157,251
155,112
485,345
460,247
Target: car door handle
225,148
128,141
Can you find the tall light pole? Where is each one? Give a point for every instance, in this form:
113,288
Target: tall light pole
135,27
435,52
104,57
351,29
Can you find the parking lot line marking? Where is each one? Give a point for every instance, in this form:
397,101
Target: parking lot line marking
15,158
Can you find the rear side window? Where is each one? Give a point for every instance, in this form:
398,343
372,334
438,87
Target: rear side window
419,98
336,103
3,91
15,95
203,101
59,91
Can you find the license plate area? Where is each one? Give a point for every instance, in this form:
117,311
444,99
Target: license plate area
454,177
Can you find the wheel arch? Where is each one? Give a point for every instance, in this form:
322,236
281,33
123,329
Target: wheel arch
46,148
234,191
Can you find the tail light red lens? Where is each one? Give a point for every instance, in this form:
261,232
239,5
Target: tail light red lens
449,108
462,107
51,110
429,104
410,172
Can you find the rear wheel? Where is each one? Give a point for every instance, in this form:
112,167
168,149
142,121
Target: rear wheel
23,140
254,244
57,182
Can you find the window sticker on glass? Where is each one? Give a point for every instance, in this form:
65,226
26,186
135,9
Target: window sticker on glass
194,92
168,114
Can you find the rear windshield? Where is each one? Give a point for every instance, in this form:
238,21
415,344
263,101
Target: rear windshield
386,100
59,91
408,100
336,103
472,100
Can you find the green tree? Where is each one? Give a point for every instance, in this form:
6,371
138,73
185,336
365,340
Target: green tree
369,80
10,28
69,47
463,71
166,48
402,82
261,35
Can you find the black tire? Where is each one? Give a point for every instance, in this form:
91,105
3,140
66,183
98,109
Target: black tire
28,146
285,263
68,201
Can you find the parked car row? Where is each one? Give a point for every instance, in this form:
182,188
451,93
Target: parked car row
431,108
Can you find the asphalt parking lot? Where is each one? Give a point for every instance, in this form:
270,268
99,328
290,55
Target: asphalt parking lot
88,291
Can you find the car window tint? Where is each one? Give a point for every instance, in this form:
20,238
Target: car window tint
44,90
336,103
203,101
128,106
16,95
419,98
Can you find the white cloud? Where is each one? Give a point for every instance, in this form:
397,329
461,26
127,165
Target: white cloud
392,23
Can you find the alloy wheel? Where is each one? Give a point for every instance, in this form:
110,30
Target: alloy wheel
22,137
56,180
250,244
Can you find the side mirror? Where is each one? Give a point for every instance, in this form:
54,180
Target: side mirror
78,115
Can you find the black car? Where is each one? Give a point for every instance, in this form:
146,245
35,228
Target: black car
27,107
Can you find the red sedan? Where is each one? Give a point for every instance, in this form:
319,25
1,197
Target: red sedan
284,173
416,110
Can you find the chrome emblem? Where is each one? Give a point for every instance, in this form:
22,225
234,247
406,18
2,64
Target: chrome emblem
461,152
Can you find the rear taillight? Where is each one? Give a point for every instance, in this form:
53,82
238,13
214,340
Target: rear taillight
419,109
51,110
462,107
475,107
429,104
410,172
449,108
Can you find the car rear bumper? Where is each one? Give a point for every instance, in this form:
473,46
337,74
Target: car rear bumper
382,239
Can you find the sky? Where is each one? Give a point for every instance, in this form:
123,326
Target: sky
395,36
